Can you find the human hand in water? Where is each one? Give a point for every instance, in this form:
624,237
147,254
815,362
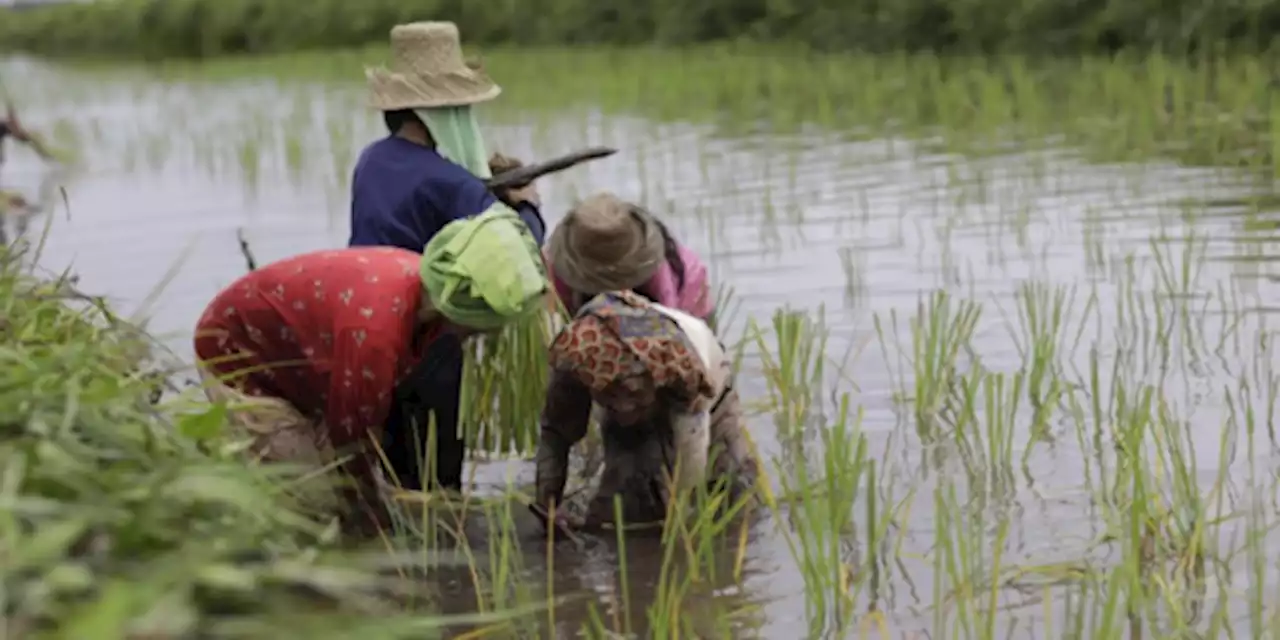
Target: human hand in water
564,523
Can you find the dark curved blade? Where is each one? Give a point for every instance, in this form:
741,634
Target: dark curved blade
524,175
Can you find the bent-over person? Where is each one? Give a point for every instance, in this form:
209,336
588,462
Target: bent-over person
608,244
319,342
428,171
669,415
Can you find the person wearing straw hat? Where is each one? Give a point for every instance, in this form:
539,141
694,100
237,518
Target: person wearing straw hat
428,171
430,168
608,244
639,349
311,348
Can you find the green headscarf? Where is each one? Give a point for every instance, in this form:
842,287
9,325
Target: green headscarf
484,272
457,136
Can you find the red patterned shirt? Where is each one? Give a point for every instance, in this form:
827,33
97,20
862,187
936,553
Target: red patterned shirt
331,332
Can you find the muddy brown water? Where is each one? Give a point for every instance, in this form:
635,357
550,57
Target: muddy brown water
859,230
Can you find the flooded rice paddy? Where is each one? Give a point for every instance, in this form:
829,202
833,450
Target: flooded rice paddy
1028,395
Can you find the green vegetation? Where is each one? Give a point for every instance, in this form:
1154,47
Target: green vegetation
1212,112
1067,434
163,28
124,520
120,519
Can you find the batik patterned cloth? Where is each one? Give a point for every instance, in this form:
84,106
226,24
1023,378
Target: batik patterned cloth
618,346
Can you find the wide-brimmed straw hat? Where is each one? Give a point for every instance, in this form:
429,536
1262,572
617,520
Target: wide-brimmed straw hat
428,70
606,244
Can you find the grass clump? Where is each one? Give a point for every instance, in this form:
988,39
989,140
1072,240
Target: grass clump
1035,451
122,518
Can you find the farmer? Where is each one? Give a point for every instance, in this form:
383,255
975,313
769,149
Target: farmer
427,172
669,410
606,244
430,168
322,339
11,127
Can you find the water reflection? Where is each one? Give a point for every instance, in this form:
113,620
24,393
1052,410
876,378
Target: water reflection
1156,289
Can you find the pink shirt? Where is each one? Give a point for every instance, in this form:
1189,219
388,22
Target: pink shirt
694,298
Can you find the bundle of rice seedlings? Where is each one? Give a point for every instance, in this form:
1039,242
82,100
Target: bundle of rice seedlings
123,518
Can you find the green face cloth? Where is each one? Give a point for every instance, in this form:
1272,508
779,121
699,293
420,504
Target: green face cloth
485,272
457,136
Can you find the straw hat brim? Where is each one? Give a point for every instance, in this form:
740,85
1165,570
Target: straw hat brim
591,277
391,91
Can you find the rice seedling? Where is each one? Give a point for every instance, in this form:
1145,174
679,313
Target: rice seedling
1066,433
1113,109
938,337
508,423
825,509
794,370
120,518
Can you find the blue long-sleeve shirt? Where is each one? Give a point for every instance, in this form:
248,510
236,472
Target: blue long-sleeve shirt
403,193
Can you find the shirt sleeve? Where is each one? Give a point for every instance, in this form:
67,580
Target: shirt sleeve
695,296
734,457
533,219
473,198
564,422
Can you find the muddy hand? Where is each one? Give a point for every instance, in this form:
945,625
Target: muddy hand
563,524
499,163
